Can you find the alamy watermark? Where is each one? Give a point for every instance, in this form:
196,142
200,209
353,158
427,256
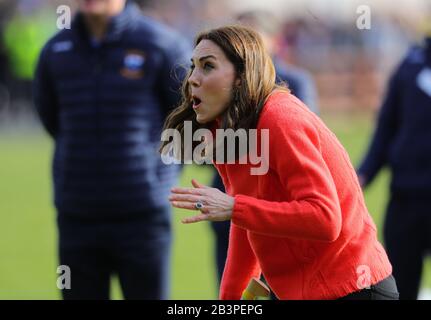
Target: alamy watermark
64,280
227,144
364,277
65,17
363,22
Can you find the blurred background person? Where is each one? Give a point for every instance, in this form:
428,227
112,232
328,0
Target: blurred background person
401,141
24,28
299,81
5,9
102,91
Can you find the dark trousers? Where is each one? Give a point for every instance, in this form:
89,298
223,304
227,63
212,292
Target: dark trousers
383,290
407,235
221,232
136,248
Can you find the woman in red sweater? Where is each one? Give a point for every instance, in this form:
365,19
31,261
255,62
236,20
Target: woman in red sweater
302,222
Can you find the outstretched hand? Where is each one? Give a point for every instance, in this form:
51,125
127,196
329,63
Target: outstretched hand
216,205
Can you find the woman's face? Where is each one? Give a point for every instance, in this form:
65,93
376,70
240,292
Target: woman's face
211,81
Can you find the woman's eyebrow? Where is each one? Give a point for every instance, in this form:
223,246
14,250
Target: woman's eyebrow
205,57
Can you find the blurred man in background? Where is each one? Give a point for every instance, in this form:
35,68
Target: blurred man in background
102,90
402,141
5,9
25,26
299,82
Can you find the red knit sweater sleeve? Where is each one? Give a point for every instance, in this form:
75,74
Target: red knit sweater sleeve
241,265
312,209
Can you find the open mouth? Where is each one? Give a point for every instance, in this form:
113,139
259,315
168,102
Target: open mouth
196,102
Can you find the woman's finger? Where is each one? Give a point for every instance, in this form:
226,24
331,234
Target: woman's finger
196,191
186,197
191,206
184,205
196,184
197,218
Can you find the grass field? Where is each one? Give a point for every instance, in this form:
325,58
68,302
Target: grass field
28,259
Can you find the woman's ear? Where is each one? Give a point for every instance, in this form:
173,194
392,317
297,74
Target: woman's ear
238,82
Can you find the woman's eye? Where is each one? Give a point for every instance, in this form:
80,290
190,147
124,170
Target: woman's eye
208,66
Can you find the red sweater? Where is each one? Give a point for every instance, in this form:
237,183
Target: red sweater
304,224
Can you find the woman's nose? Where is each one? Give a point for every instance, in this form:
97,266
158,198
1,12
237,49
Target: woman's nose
193,79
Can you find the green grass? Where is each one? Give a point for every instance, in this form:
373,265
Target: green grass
28,258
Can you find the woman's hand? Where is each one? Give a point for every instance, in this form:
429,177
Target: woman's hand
216,205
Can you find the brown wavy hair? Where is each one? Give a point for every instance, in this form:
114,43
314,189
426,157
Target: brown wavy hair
244,48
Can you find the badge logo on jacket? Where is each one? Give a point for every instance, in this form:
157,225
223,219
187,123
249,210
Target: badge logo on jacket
133,64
